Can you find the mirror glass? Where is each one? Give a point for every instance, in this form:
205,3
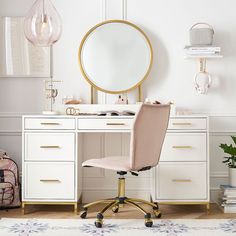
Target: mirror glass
115,56
18,57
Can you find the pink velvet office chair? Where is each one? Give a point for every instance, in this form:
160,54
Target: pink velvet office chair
147,137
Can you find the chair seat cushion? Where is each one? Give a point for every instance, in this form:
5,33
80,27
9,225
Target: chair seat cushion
118,163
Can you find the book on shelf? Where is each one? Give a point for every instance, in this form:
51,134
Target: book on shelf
200,53
229,208
202,50
228,198
230,201
228,190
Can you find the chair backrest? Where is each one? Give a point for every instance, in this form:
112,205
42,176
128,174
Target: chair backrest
148,135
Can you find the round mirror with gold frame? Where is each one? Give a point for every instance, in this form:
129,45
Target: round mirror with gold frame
115,56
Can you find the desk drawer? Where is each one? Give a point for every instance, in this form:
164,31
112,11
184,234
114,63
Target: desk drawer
49,181
184,147
187,123
105,124
49,146
49,123
181,181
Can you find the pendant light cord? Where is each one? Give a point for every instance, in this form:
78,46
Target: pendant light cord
43,7
44,13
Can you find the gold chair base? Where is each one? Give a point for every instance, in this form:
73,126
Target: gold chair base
116,203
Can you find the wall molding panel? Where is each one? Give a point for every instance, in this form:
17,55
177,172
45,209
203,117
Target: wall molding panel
124,9
103,10
10,123
10,133
219,174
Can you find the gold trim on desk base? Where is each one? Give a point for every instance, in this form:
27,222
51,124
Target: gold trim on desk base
23,205
186,203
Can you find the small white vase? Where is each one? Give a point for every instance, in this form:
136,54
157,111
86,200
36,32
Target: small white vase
232,177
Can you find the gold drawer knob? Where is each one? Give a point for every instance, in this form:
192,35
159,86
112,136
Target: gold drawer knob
49,123
49,147
50,180
115,124
181,123
181,180
181,147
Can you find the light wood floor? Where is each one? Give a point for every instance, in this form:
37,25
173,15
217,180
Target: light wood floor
168,212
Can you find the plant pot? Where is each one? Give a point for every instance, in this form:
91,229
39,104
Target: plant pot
232,177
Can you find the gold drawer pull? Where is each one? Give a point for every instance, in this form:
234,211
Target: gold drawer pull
49,180
182,147
49,123
181,123
48,147
181,180
115,123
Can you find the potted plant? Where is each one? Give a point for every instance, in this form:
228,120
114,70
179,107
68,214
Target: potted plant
230,160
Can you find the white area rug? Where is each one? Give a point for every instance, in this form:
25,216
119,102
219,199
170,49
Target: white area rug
77,227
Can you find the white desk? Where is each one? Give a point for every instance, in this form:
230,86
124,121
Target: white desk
53,149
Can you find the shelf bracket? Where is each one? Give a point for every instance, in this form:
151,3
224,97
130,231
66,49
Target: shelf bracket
202,64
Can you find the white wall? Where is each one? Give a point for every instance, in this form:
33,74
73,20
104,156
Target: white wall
19,94
167,24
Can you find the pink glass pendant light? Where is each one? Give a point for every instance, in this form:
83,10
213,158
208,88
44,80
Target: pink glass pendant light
42,25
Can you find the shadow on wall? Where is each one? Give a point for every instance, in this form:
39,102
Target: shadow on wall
160,66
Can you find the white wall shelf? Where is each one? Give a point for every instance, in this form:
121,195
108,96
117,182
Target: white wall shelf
217,56
202,54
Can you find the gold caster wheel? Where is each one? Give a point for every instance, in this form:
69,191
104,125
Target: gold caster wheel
157,206
99,221
83,214
115,209
148,221
157,213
